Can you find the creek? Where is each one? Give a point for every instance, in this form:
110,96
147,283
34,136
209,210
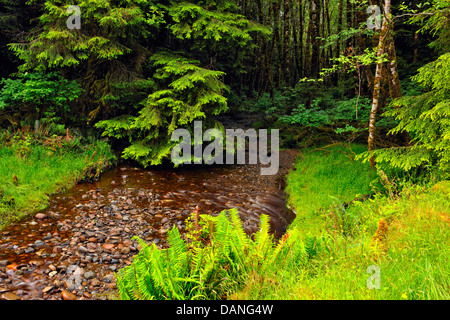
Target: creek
72,249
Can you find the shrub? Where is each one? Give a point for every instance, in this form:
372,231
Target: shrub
45,95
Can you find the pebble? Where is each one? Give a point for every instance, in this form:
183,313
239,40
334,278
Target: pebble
38,243
40,216
47,289
4,262
66,295
10,296
109,278
82,249
108,246
95,282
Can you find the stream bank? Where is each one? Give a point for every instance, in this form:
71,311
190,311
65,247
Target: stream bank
72,249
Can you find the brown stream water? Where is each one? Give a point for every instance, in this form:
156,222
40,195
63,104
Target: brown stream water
84,236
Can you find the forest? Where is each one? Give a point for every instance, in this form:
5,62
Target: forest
349,99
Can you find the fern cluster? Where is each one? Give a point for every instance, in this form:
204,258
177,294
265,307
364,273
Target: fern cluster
210,270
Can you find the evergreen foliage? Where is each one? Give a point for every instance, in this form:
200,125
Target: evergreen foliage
425,114
186,92
426,117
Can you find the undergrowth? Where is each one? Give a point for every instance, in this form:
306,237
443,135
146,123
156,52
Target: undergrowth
210,267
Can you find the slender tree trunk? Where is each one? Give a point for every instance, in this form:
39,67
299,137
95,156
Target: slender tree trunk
378,78
286,42
295,44
313,30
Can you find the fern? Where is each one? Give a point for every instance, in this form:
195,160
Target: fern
208,270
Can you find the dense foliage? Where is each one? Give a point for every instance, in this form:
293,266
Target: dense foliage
211,264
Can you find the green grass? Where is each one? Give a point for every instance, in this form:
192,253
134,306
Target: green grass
42,171
325,177
412,256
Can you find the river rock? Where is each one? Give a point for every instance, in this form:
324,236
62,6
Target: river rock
66,295
91,246
125,250
38,243
40,216
4,262
95,282
29,250
114,231
82,249
109,278
10,296
108,246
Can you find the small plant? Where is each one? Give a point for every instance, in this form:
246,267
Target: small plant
21,144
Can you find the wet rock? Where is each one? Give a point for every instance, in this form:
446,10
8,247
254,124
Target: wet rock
82,249
29,250
125,250
109,278
4,263
114,231
95,282
89,275
48,236
38,243
10,296
108,246
47,289
40,216
91,246
53,273
57,249
66,295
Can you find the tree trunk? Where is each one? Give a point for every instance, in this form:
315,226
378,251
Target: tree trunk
314,29
378,78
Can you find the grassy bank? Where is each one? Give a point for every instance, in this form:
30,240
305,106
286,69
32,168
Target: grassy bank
35,165
404,236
